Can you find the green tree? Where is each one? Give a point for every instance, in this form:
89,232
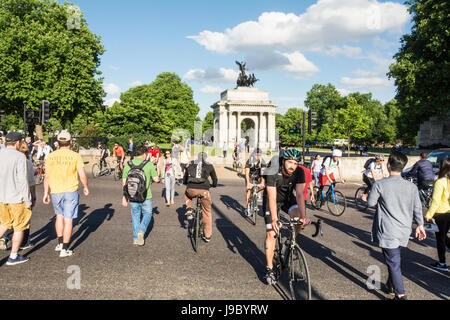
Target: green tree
208,122
285,122
42,58
12,122
351,122
422,67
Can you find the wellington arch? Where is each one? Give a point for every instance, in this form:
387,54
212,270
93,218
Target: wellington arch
245,105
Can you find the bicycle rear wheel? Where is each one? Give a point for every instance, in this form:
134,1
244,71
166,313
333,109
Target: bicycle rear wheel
337,203
117,173
196,234
359,202
95,170
299,282
318,203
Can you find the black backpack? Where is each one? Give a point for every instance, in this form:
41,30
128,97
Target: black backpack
192,174
135,189
368,163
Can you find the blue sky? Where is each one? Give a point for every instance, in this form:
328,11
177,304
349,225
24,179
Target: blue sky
289,45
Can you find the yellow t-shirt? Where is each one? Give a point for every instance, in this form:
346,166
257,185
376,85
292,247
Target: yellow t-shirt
62,166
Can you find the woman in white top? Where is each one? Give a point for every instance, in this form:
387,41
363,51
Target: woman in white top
170,171
315,169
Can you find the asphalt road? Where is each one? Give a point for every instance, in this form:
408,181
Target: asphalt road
231,266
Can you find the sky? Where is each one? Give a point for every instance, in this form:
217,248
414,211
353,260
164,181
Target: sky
289,45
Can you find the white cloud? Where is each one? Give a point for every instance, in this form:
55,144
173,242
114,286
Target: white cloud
332,50
137,83
343,92
110,102
221,75
365,82
211,90
324,24
111,89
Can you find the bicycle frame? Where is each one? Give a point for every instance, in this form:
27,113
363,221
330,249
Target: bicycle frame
329,192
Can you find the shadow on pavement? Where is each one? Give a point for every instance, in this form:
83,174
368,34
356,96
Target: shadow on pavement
229,202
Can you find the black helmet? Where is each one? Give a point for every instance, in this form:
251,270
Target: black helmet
292,154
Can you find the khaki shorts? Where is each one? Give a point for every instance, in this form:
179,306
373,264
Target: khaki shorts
15,216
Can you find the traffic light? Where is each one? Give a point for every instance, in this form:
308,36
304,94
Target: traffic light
297,129
311,120
45,111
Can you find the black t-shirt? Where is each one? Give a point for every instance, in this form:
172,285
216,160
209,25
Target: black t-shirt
255,168
103,148
285,184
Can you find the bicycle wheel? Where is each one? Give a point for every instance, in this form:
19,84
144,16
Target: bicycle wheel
117,173
299,281
95,170
337,203
318,203
254,208
359,202
196,231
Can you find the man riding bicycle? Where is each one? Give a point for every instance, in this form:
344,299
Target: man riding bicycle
375,167
103,155
253,175
328,169
196,177
120,154
424,171
280,183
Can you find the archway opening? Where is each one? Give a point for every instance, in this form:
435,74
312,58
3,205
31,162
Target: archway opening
248,133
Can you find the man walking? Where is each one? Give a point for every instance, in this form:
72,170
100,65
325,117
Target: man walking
131,149
398,203
15,197
137,169
62,169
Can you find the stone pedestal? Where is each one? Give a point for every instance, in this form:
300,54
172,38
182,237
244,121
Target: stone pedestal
434,132
245,104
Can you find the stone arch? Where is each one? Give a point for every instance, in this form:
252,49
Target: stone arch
248,131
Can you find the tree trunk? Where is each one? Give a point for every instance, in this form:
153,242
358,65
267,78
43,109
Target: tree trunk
39,132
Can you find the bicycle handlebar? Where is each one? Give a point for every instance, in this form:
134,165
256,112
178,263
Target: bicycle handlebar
297,222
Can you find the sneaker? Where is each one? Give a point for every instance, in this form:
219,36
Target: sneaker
59,247
204,238
28,245
3,244
440,266
400,298
189,213
65,253
135,243
389,289
140,241
18,260
270,277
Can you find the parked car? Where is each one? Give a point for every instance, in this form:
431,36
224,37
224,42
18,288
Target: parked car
435,157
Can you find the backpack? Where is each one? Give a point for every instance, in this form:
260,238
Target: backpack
326,158
193,177
368,163
135,189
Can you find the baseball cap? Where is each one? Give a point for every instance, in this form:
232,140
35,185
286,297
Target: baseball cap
64,136
13,137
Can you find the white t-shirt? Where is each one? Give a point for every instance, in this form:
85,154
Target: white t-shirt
330,165
375,167
317,166
44,151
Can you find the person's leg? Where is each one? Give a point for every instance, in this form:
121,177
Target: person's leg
206,212
167,184
147,213
136,209
442,240
172,189
393,261
21,221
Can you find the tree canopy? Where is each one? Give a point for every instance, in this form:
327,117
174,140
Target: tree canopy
44,58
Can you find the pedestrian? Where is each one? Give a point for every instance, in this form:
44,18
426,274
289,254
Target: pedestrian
62,169
316,168
131,148
224,148
440,211
15,197
138,194
176,149
30,147
170,172
196,178
398,203
361,148
184,161
75,146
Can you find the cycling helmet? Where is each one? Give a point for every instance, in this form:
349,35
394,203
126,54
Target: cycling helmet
337,153
292,154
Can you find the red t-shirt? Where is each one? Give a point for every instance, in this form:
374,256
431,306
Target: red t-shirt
308,179
156,153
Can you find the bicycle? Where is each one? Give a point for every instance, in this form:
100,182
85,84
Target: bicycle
253,204
359,202
237,166
39,172
106,170
118,172
294,259
336,201
197,226
425,194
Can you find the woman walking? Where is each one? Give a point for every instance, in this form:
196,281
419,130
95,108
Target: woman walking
315,169
170,171
440,211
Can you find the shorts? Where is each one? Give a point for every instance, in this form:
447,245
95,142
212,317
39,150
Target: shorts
287,207
66,204
15,216
323,179
119,159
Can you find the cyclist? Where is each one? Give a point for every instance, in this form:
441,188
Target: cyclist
103,155
424,170
196,178
253,175
375,166
278,194
328,168
236,155
119,153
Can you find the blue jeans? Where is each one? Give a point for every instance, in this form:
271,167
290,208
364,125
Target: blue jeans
145,210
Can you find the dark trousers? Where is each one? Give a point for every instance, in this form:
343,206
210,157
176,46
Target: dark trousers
369,182
442,240
393,261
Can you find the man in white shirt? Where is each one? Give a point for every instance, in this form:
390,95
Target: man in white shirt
43,151
329,167
369,176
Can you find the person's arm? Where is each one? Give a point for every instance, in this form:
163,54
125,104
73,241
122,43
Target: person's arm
185,177
22,181
272,198
418,216
247,178
213,177
438,190
300,197
374,195
46,198
84,180
414,169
